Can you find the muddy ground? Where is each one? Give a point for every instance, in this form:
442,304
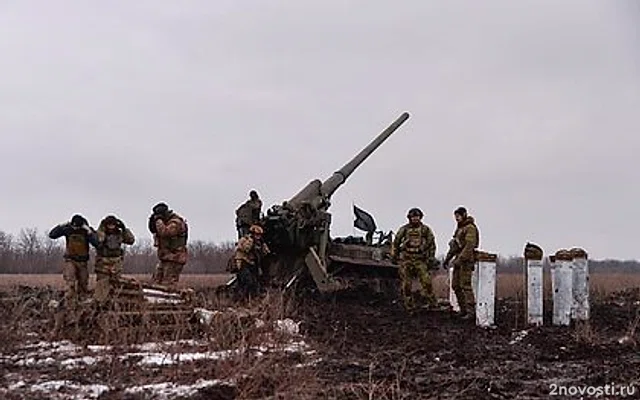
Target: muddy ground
357,345
435,355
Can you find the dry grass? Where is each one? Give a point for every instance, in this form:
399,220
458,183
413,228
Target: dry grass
513,285
263,365
508,285
55,280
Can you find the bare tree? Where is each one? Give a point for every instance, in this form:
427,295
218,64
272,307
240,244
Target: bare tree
6,250
31,252
29,241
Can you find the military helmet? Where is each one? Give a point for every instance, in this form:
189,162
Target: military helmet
253,194
78,220
160,208
415,212
461,211
110,220
256,229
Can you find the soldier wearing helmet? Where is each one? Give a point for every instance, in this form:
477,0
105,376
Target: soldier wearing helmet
466,239
75,272
170,234
247,261
415,247
248,214
112,235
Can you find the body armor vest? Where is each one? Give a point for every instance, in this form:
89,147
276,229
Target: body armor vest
415,241
77,246
112,246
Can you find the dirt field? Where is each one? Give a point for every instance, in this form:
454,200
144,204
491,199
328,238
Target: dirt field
377,351
354,345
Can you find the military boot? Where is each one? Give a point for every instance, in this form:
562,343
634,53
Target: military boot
409,303
467,313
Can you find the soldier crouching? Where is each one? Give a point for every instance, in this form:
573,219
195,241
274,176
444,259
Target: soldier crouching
247,261
112,235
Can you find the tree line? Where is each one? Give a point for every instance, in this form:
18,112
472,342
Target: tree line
33,252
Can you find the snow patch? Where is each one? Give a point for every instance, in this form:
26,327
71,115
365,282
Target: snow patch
289,326
170,390
61,389
518,337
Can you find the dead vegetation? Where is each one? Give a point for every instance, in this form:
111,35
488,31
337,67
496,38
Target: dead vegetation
508,284
248,352
351,345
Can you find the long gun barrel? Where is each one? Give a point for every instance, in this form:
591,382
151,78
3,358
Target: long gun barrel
328,187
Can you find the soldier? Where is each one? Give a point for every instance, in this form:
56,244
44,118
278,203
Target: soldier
416,247
112,234
79,235
248,214
247,261
170,233
465,240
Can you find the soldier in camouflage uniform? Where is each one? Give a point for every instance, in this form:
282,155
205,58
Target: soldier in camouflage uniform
79,235
170,233
112,235
248,214
465,240
415,246
247,261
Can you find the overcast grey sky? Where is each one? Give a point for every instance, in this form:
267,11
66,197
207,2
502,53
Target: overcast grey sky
526,112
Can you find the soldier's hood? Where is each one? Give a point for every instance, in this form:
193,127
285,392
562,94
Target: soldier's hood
467,221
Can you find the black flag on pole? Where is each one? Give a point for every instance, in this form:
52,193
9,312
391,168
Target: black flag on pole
364,221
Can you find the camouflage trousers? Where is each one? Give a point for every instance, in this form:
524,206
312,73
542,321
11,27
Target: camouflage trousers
410,269
248,281
107,269
461,284
76,281
167,273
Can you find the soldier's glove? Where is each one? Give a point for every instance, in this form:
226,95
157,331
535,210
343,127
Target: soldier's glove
152,223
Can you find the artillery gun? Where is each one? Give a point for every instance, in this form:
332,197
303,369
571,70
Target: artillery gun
298,234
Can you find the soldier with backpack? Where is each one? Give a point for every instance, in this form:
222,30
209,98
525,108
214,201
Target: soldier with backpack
170,233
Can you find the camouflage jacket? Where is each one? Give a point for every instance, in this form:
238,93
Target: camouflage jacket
467,238
250,251
77,240
110,243
171,239
249,212
416,241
